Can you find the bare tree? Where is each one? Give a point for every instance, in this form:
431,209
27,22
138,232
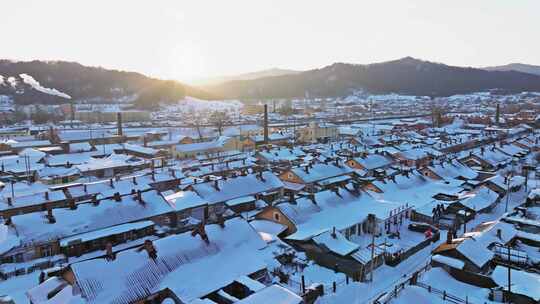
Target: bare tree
197,124
219,119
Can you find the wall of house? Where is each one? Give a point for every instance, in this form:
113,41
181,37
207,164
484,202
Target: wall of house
289,176
354,164
275,215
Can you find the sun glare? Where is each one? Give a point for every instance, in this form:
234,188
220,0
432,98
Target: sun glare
187,61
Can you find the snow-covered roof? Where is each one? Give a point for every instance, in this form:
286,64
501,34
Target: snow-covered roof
320,171
235,187
420,153
29,199
80,147
452,170
107,188
8,238
330,210
40,294
374,161
475,246
232,252
199,146
336,243
523,283
32,153
271,295
452,262
51,172
415,189
88,217
17,164
32,143
140,149
112,161
183,200
96,234
70,158
480,199
282,154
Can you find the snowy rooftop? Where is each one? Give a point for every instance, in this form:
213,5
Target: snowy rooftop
181,258
240,186
330,210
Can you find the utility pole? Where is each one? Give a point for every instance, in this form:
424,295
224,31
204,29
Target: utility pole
509,271
372,220
509,177
372,256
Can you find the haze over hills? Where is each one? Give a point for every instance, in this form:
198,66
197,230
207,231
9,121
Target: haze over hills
51,82
520,67
246,76
408,76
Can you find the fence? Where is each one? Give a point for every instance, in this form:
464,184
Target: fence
445,295
413,280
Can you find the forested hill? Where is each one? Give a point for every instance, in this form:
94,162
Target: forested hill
51,82
405,76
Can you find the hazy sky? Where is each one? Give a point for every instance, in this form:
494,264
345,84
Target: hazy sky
183,40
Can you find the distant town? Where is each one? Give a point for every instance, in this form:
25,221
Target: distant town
360,199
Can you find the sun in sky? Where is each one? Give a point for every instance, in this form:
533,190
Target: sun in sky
187,61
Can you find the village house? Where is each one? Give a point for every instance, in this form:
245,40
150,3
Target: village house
219,193
417,157
370,164
169,264
87,227
315,132
476,251
313,176
324,223
280,155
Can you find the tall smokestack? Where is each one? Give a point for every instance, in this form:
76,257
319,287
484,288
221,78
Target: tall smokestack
72,113
119,123
265,124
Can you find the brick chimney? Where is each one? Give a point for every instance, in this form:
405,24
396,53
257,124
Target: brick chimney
109,254
150,249
139,197
50,216
265,124
201,231
119,124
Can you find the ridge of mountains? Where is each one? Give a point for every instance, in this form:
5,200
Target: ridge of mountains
56,82
407,76
78,82
520,67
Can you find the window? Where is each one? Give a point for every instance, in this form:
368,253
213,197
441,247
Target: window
353,230
46,251
276,216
